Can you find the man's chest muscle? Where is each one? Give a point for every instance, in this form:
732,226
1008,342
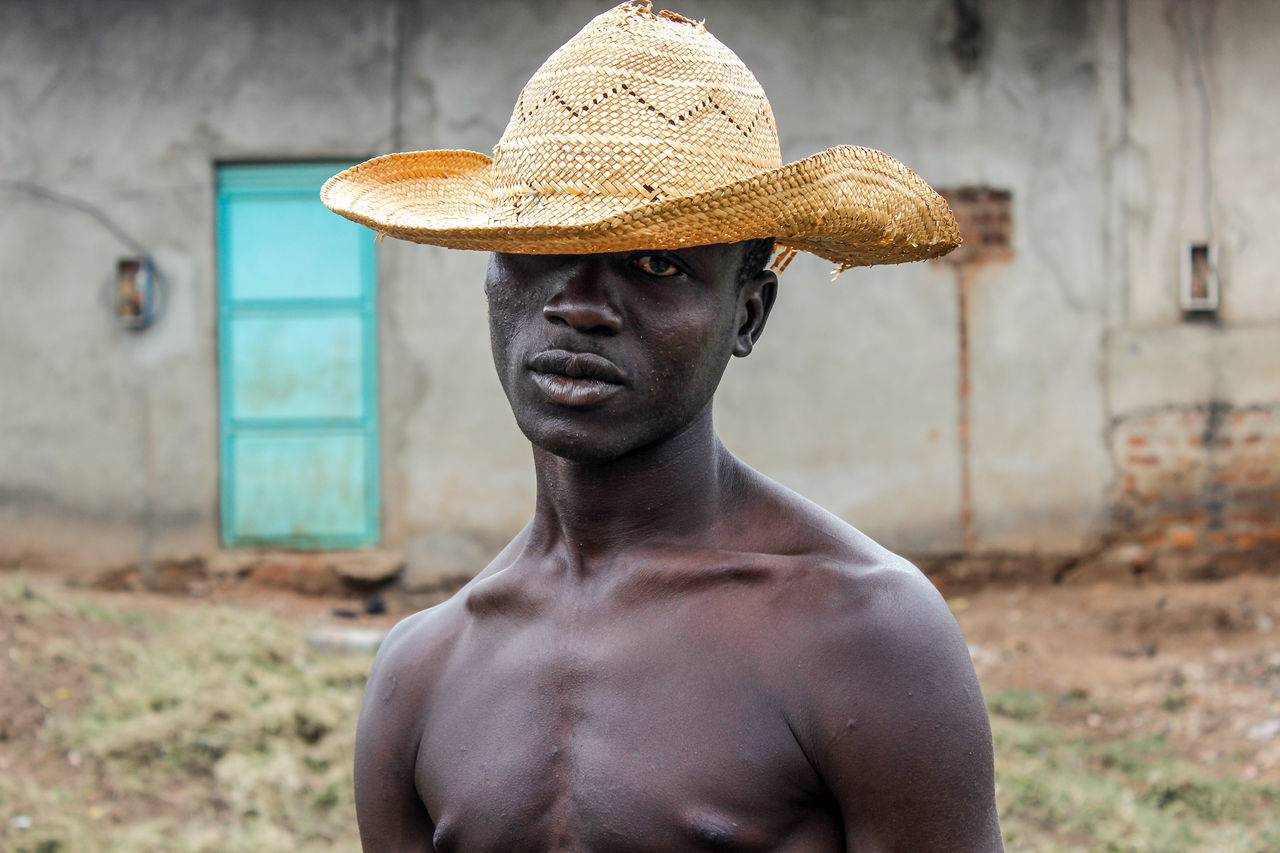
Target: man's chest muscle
555,738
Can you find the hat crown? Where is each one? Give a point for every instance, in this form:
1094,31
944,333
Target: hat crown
645,132
637,107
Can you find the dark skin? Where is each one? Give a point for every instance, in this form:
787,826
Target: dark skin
677,653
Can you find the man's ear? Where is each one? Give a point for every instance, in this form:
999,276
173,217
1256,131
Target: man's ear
755,301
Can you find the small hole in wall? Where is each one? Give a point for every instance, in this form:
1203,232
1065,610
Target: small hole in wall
1200,291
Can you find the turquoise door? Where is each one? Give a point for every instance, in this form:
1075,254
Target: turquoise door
297,355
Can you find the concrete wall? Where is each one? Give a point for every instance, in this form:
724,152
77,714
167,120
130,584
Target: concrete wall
1190,145
1092,114
109,437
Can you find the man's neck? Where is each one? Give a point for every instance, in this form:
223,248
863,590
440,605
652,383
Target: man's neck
669,492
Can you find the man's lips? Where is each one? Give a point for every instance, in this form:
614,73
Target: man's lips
577,365
575,378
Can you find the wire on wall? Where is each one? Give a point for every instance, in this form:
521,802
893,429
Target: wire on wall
85,207
145,264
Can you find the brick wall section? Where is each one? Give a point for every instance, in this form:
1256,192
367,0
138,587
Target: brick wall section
985,218
1203,477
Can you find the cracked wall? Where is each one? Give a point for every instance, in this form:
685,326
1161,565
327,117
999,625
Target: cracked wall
1089,112
1193,399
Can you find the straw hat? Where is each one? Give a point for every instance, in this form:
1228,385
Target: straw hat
645,132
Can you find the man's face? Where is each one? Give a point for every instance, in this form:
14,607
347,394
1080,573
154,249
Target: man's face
600,355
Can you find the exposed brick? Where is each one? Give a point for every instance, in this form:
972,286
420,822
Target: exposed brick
1245,541
1218,538
985,217
1204,478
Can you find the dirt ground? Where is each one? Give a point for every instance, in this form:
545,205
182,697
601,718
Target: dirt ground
1196,664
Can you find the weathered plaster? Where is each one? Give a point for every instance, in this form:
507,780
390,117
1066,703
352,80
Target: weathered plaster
1090,112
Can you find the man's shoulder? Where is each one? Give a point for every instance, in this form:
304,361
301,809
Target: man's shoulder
883,698
420,643
857,599
881,692
833,564
857,594
877,618
416,648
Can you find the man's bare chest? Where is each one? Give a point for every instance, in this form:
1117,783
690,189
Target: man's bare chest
654,729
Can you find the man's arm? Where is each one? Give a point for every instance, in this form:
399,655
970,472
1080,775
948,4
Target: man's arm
899,730
391,815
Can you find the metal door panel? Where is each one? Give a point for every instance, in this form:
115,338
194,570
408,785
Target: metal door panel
297,363
297,366
324,504
290,246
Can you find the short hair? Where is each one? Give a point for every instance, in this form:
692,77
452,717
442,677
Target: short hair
755,257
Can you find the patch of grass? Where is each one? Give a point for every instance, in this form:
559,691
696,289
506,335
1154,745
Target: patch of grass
1018,704
233,699
222,732
18,589
1060,791
95,612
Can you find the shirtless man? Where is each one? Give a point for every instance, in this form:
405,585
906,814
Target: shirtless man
676,653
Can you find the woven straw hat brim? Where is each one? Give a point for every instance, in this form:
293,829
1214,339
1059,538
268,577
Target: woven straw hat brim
852,206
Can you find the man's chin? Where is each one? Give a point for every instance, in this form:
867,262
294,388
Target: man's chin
598,435
579,442
577,448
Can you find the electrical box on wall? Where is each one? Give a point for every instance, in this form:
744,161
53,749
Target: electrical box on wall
136,293
1200,292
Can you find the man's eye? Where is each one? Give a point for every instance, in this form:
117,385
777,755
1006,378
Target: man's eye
656,265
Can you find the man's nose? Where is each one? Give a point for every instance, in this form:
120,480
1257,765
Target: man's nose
584,300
